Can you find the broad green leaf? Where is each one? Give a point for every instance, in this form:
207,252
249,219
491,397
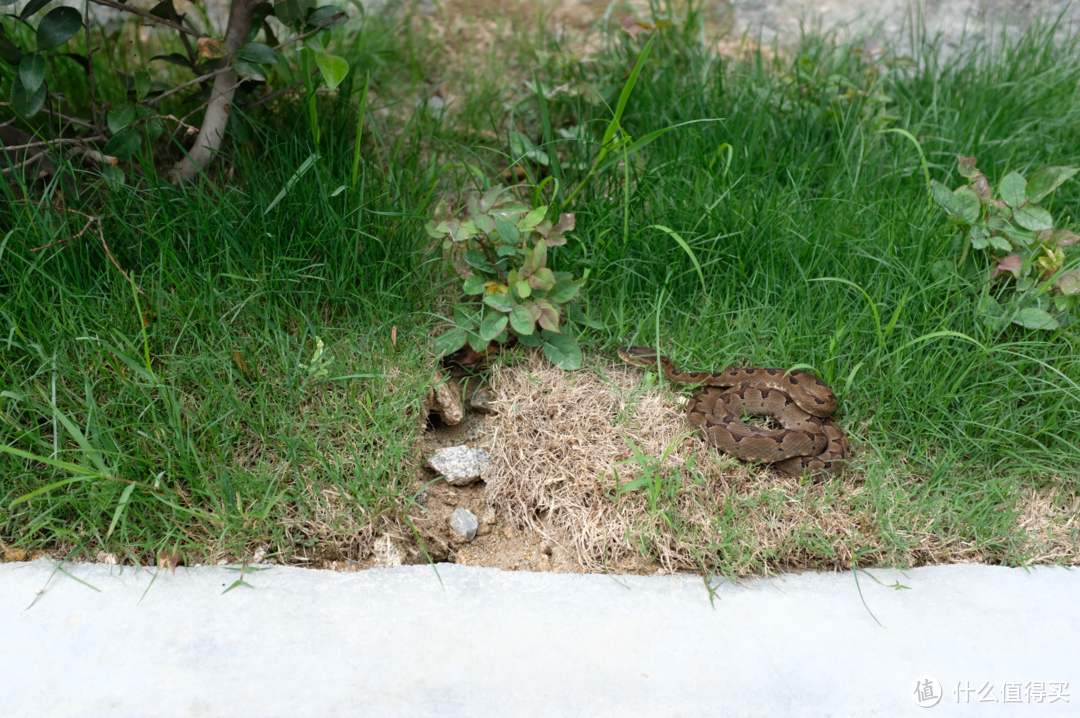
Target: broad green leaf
25,103
507,250
530,220
1033,217
114,176
489,198
477,342
1018,235
291,12
250,70
542,280
142,83
123,144
154,129
1013,189
531,340
435,229
449,341
499,301
10,52
174,58
484,223
1035,318
32,72
549,315
997,242
523,288
565,290
466,317
538,259
968,204
165,11
521,320
1048,180
476,259
258,53
333,68
507,231
562,351
57,27
322,16
492,325
31,8
120,117
474,285
1069,282
944,197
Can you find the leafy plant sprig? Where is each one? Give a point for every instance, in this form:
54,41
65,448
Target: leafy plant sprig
511,288
1018,236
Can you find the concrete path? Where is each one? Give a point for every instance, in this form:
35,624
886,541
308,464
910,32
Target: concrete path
396,642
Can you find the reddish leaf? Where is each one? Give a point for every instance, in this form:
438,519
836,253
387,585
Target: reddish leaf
1064,238
1069,282
566,223
967,167
1010,265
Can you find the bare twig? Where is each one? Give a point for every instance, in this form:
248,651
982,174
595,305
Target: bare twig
190,129
189,83
291,40
90,219
148,16
50,143
19,166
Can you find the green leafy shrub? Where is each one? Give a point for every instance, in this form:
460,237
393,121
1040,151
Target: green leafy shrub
511,291
122,114
1017,233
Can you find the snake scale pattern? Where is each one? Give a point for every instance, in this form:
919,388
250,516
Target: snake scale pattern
810,442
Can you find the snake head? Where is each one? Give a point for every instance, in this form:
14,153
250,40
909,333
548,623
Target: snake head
638,356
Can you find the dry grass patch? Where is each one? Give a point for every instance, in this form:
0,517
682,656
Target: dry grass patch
559,439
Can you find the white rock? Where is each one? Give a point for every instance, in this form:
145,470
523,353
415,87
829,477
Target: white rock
459,465
464,523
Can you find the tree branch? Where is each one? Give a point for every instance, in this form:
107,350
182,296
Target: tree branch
189,83
153,18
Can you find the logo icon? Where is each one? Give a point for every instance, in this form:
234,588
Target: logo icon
926,691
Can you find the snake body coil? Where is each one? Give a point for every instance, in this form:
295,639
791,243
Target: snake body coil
810,440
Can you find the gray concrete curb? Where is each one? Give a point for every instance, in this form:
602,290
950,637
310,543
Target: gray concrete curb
396,642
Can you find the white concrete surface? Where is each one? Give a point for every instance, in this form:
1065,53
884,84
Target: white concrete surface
394,642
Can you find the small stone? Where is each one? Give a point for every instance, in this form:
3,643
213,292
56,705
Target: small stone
459,465
480,401
483,530
464,523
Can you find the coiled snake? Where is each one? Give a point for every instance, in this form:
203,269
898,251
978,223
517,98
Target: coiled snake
810,440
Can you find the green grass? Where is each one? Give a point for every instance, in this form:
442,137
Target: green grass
953,419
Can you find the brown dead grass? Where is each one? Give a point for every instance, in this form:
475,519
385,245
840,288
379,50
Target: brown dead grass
559,438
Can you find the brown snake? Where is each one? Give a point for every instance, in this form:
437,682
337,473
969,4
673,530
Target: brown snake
810,440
